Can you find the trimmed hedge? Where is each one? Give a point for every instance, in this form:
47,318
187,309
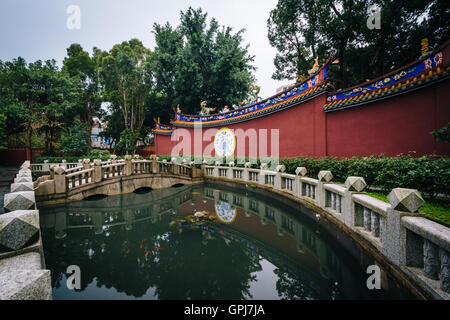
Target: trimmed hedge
428,174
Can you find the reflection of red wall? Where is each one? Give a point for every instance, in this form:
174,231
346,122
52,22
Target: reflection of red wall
252,226
392,126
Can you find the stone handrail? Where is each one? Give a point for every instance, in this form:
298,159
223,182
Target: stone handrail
86,172
22,275
389,227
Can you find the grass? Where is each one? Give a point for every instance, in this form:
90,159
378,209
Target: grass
436,209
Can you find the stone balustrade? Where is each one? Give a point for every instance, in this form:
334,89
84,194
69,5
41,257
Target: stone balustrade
22,275
63,180
417,245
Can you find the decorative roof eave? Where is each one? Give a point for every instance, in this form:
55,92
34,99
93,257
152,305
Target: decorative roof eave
301,90
418,82
420,73
259,113
162,129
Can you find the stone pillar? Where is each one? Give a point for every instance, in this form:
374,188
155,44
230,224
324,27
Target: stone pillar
128,165
203,167
63,164
216,169
154,164
60,180
45,166
230,170
86,164
277,179
175,166
113,158
431,264
404,202
445,270
299,172
80,163
353,185
97,170
245,174
324,176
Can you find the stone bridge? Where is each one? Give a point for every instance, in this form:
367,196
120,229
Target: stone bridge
110,178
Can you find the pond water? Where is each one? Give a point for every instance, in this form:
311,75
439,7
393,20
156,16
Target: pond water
149,245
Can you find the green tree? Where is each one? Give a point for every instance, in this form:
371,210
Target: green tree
84,70
199,61
126,72
77,140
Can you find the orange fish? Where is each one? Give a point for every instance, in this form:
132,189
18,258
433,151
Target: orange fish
128,251
140,246
157,248
146,253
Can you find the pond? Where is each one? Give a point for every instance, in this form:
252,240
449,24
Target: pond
151,245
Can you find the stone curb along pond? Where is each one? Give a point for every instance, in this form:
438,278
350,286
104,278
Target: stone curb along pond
414,249
23,275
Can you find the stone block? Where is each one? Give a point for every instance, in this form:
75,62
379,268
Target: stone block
23,179
280,168
231,164
26,261
357,184
403,199
22,200
301,171
24,173
22,186
325,176
25,285
17,228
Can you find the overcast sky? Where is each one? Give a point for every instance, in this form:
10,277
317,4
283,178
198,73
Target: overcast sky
36,29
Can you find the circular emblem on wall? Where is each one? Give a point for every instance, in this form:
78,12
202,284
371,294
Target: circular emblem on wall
224,142
225,213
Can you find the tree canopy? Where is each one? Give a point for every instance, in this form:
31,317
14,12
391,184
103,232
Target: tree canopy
304,29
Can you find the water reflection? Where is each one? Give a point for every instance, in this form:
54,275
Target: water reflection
151,246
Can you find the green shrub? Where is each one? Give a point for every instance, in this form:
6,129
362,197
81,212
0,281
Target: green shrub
99,154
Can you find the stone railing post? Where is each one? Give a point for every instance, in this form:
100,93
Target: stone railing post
60,179
204,162
175,166
64,164
262,175
52,170
80,163
97,170
299,172
128,165
245,173
154,164
86,164
324,176
404,202
277,179
230,170
353,185
45,166
216,168
113,158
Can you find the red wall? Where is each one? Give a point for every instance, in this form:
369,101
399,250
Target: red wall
392,126
396,125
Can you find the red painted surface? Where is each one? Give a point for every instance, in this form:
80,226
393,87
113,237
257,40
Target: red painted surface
392,126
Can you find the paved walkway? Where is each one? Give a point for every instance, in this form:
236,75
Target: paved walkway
7,174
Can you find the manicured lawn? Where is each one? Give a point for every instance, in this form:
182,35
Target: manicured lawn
437,209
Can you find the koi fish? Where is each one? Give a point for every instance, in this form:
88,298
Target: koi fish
128,251
157,248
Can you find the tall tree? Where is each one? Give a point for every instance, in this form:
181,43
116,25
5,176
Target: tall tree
199,61
86,70
126,71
